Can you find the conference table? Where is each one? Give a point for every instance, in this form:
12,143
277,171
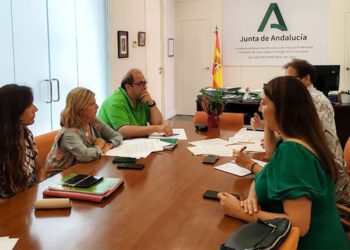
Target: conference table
159,207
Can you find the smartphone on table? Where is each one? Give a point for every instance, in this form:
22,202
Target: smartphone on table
210,159
135,166
82,181
120,159
213,195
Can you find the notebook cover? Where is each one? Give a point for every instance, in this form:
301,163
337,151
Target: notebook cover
83,196
99,188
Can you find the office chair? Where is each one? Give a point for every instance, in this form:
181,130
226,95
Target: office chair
44,143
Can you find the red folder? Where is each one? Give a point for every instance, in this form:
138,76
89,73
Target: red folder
82,196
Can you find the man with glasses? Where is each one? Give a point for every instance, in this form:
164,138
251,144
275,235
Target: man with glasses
131,107
306,73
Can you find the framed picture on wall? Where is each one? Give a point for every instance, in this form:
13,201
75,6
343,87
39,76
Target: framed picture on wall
123,44
170,47
141,38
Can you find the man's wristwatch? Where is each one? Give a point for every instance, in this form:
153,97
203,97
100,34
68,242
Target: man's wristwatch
153,104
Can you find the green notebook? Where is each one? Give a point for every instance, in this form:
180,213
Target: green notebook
99,188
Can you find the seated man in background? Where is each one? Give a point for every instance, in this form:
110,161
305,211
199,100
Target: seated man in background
306,73
131,106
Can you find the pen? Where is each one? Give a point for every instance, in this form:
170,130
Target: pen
242,149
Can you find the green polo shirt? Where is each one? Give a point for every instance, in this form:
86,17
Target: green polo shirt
117,110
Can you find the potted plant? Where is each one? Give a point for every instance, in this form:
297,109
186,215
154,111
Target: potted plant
212,103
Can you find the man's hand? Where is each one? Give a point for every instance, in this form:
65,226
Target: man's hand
164,128
256,122
146,97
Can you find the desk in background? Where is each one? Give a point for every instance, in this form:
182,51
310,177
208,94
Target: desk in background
159,207
341,116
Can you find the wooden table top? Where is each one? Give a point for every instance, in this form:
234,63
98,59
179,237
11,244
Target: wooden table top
159,207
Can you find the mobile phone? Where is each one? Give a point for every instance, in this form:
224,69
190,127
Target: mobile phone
120,159
130,166
201,127
210,159
82,180
72,181
213,195
89,181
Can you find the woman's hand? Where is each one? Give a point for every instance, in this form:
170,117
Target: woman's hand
242,160
99,142
230,205
250,205
107,147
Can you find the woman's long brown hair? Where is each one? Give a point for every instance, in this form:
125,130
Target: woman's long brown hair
296,117
14,99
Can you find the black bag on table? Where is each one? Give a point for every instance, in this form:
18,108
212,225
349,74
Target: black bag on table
263,234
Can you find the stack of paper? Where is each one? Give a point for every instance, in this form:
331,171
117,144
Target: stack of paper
178,133
137,148
7,243
247,138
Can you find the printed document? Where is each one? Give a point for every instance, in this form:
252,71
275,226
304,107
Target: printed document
210,142
137,148
232,168
219,150
248,138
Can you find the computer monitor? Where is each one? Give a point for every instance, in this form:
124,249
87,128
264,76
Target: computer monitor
327,78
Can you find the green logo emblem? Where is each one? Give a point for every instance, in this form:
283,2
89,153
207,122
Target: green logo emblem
280,25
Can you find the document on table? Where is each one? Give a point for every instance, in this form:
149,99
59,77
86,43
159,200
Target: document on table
251,147
137,148
178,133
7,243
247,136
219,150
232,168
210,142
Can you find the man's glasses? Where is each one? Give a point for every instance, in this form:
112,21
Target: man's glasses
140,83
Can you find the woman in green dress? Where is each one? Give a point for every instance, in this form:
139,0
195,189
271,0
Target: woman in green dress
298,183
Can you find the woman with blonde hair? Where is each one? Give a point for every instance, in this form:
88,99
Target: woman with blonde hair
83,138
18,170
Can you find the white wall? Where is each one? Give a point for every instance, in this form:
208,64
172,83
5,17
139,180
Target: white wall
169,62
130,15
126,15
251,76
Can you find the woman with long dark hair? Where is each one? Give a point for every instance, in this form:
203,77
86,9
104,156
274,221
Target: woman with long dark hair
298,182
17,148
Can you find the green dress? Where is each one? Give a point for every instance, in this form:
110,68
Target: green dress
293,172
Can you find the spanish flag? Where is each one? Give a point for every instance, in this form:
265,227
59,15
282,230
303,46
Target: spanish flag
217,67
